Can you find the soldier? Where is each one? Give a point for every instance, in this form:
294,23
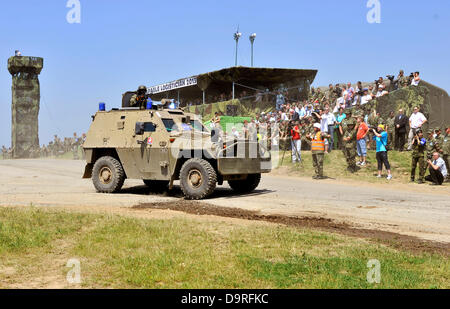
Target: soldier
4,152
402,80
390,128
331,95
343,127
430,146
418,156
75,144
439,141
318,150
140,98
446,150
349,138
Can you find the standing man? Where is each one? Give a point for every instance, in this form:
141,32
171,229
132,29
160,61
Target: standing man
418,156
438,170
75,144
280,101
390,128
402,80
349,137
446,151
339,119
416,121
331,122
318,150
361,136
400,123
296,143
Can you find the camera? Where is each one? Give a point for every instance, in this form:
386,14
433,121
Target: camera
390,77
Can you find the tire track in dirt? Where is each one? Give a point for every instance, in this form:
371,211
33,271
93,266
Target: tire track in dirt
397,241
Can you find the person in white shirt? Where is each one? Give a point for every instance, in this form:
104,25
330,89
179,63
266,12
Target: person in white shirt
416,121
382,91
366,97
331,122
438,170
416,80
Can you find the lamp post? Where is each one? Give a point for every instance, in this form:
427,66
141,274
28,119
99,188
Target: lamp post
252,41
237,36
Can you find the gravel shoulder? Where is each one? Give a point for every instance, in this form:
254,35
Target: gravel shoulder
413,210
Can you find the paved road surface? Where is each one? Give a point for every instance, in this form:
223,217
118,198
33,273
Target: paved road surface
422,211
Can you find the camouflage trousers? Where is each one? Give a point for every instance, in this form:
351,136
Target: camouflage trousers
317,159
422,168
75,152
350,156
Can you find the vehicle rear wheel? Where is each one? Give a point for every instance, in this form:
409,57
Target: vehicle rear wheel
247,185
198,179
108,175
156,185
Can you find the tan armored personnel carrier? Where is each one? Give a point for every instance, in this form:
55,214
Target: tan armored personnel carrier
161,145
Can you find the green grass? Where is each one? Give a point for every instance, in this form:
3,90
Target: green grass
125,252
335,166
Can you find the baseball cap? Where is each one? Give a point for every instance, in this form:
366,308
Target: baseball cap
381,126
317,125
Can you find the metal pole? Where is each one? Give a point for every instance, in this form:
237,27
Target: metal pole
204,97
252,54
235,61
233,90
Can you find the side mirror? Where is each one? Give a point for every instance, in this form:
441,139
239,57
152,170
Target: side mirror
139,129
186,119
214,136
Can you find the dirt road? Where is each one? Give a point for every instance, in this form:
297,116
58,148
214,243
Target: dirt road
415,210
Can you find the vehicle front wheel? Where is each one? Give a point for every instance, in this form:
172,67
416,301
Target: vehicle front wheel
108,175
247,185
198,179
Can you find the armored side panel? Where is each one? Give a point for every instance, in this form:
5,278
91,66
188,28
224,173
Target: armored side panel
25,104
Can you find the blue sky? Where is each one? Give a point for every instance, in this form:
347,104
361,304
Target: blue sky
122,44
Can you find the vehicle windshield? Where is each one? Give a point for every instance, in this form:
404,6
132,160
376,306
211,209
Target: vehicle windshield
171,126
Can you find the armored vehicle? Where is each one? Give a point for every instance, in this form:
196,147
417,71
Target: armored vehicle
161,145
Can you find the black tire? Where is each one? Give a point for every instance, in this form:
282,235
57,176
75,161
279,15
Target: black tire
247,185
198,179
108,175
157,185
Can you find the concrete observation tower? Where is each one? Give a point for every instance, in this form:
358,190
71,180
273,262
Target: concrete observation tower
25,104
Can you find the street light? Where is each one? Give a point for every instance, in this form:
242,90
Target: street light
252,41
237,36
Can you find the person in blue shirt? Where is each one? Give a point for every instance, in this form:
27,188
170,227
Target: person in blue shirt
381,138
339,118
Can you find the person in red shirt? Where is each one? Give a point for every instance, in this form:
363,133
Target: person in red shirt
296,143
361,146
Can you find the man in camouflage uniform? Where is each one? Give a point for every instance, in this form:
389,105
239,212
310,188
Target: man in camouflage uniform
402,80
446,151
439,140
75,144
4,152
331,94
430,147
349,138
140,98
390,124
419,146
